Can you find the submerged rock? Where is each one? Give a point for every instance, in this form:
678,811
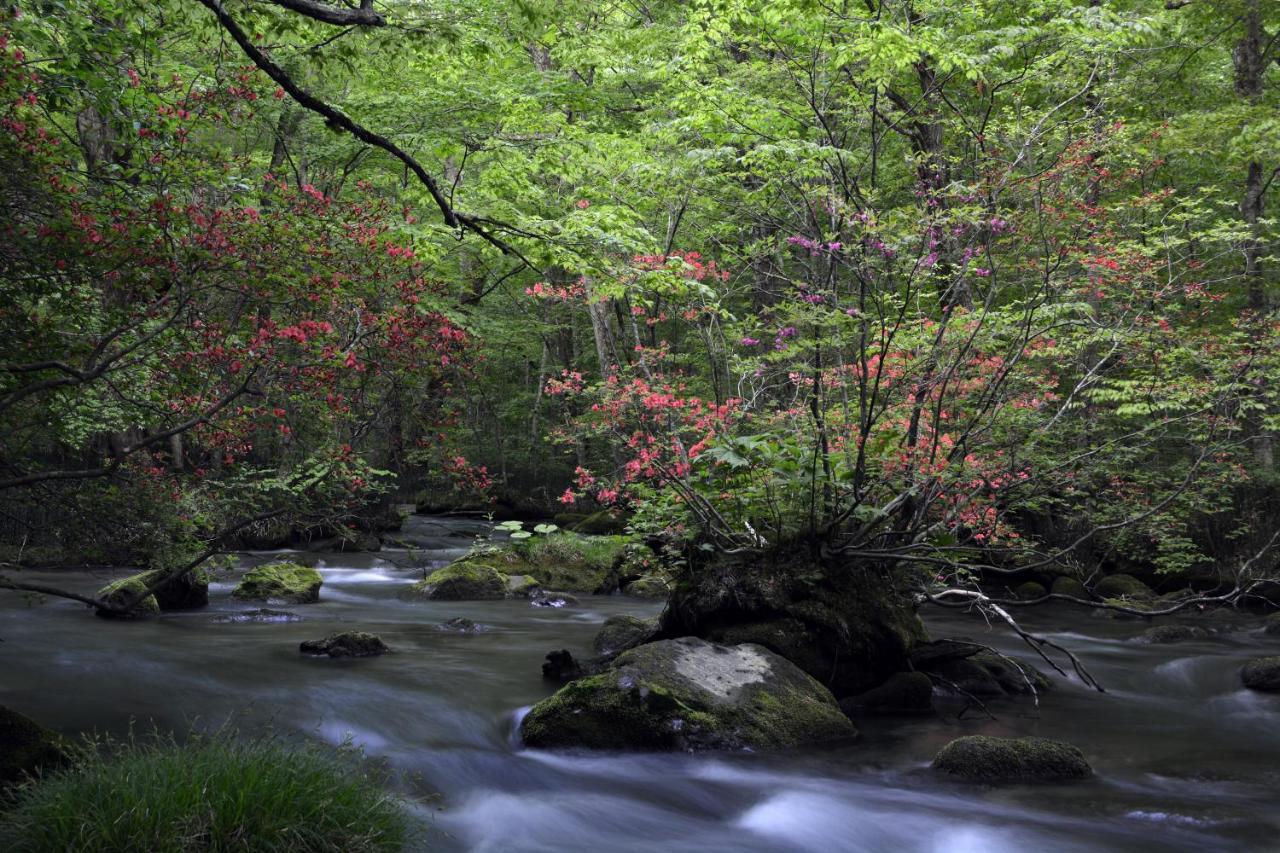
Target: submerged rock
622,632
903,693
287,582
462,625
979,758
260,615
688,694
1262,674
550,598
463,580
560,665
26,747
346,644
1163,634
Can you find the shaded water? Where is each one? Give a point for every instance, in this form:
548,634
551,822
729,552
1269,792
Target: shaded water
1187,760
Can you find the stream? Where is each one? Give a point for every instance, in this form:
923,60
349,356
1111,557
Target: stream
1186,759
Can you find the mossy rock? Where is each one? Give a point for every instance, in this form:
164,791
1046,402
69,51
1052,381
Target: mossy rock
27,747
1069,586
648,586
522,586
688,694
574,563
790,638
622,632
1123,586
1030,591
856,627
1164,634
346,644
189,592
284,582
118,592
1262,674
979,758
902,693
462,580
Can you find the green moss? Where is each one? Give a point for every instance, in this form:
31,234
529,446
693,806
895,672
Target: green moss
522,586
991,759
649,586
575,563
463,580
26,747
288,582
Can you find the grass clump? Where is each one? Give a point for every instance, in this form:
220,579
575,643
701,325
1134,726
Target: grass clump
214,793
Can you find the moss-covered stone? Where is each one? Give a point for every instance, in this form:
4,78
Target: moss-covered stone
970,677
979,758
692,695
522,586
1030,591
575,563
622,632
1262,674
283,582
902,693
1123,586
649,586
346,644
1163,634
1064,585
118,593
26,747
462,580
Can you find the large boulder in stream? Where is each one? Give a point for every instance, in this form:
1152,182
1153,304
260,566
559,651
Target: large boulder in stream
280,582
688,694
463,580
979,758
849,627
189,592
346,644
26,747
1262,674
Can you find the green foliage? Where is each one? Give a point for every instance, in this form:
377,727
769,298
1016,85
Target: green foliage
211,793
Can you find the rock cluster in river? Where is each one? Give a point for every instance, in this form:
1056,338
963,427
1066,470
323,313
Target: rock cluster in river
689,694
188,592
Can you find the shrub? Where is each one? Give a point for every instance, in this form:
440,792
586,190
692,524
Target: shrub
214,793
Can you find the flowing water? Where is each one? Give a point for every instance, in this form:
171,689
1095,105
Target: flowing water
1186,759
